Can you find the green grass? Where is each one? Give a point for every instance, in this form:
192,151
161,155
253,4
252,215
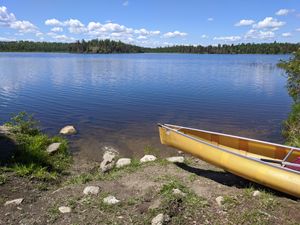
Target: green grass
150,150
53,213
3,179
291,128
230,202
31,158
180,207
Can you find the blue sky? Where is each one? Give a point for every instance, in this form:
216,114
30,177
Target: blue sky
152,22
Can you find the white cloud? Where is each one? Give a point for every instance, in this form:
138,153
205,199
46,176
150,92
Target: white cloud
210,19
116,34
258,34
244,23
298,29
141,37
9,20
74,26
7,39
109,29
63,38
39,34
287,34
228,38
57,29
53,22
268,22
125,3
145,32
284,12
5,17
174,34
204,36
92,26
23,26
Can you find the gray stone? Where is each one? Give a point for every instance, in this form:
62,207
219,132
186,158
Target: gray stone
67,130
148,158
4,130
176,191
160,219
176,159
220,200
110,200
64,209
94,190
53,147
123,162
17,201
156,204
256,193
109,160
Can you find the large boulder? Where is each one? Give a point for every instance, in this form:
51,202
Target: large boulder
109,159
68,130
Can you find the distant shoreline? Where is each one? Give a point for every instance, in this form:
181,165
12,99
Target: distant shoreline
117,47
149,53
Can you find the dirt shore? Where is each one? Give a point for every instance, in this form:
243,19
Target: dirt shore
145,191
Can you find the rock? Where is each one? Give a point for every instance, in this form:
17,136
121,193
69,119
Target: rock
109,160
176,159
155,205
176,191
5,130
220,200
148,158
123,162
17,201
256,193
68,130
94,190
64,209
53,147
111,200
160,219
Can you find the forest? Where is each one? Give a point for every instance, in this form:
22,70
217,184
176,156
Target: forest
110,46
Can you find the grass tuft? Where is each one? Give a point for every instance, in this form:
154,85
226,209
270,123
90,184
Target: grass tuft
31,158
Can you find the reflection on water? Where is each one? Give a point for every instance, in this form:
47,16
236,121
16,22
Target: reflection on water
119,99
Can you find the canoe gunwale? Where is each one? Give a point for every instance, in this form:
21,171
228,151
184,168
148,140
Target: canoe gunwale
233,136
166,126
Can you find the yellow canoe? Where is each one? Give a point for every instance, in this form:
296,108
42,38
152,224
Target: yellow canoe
266,163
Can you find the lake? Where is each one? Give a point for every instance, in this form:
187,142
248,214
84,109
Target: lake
118,99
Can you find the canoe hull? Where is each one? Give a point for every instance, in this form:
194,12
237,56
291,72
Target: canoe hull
259,172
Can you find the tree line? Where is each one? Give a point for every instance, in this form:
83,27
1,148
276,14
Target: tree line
291,126
110,46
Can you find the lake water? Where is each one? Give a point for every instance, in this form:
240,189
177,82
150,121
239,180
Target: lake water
118,99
